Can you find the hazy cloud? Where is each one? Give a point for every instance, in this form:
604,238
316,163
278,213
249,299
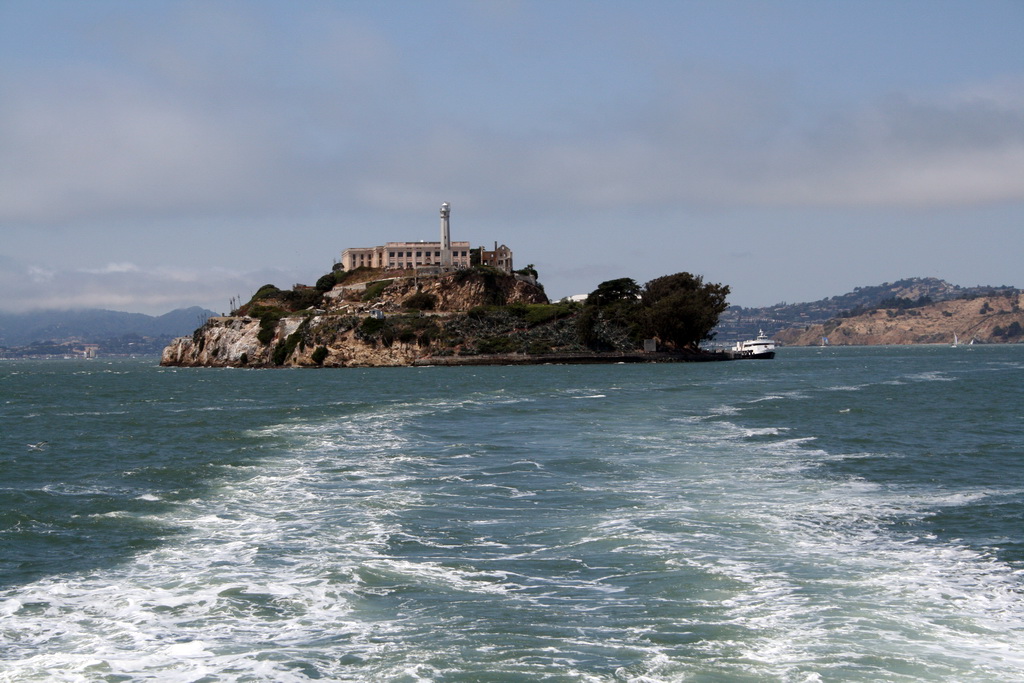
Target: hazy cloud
127,286
340,119
188,133
906,152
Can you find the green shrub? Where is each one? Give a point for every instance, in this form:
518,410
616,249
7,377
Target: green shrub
421,301
586,327
538,314
518,309
371,326
280,353
268,326
299,299
260,310
429,333
319,355
375,289
529,270
265,292
285,348
479,312
538,347
497,345
327,282
360,274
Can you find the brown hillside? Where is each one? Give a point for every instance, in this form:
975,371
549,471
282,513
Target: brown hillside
995,319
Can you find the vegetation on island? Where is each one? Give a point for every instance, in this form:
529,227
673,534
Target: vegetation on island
477,311
679,311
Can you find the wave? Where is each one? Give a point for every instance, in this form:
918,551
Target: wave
514,534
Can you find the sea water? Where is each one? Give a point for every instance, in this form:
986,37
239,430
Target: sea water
837,514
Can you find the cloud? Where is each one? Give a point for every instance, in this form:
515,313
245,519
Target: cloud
725,144
127,286
216,114
83,145
112,268
229,112
906,152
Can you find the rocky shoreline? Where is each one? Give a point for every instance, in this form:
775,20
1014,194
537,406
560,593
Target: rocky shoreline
234,342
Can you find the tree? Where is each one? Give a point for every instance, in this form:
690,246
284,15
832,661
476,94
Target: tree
614,291
326,282
681,310
610,315
529,270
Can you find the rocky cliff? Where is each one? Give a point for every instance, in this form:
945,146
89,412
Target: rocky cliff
352,324
235,342
987,319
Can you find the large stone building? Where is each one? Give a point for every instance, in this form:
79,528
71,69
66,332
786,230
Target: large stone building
401,255
441,255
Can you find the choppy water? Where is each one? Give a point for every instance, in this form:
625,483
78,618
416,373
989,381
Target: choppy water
834,514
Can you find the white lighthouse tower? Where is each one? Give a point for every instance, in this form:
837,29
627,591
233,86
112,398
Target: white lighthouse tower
446,236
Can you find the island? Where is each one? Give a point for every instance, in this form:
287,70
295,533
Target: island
458,315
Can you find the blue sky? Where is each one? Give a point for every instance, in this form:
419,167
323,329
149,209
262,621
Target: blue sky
155,154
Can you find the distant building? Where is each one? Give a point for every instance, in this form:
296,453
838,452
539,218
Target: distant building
442,255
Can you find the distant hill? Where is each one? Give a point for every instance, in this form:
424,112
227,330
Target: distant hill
738,322
94,326
985,319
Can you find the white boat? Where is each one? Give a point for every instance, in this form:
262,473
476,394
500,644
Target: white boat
762,347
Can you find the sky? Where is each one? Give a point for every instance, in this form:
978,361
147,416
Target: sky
162,154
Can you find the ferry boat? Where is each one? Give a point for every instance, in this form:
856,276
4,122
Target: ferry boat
762,347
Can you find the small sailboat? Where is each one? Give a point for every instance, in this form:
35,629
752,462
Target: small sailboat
956,340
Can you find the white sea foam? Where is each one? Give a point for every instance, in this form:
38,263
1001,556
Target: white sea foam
215,599
689,547
930,376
